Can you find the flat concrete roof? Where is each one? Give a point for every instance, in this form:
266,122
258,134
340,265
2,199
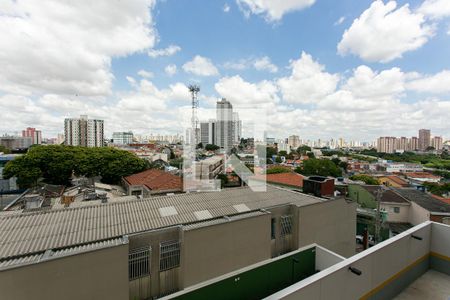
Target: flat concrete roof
431,285
33,232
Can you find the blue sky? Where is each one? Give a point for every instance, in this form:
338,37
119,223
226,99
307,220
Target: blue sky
323,69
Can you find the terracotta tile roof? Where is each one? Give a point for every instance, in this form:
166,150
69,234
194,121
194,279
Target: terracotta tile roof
422,175
445,200
397,180
155,180
290,179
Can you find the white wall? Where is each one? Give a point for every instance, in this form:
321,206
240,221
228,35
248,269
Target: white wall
418,214
392,216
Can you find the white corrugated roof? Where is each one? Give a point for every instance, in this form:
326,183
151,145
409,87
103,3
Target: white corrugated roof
32,232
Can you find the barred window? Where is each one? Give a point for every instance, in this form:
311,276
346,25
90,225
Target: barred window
139,263
286,225
169,255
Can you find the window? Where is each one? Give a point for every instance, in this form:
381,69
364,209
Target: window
139,263
272,228
397,209
169,255
286,225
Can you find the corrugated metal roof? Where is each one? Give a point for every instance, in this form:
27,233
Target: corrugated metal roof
38,231
223,220
34,258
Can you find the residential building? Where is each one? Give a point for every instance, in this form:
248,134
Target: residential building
7,185
15,142
152,182
386,144
209,168
237,127
35,135
84,132
424,139
122,138
294,141
148,248
392,181
437,143
224,126
412,265
403,167
208,132
413,144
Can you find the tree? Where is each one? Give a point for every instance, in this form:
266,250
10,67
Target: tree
200,145
310,155
211,147
270,151
282,153
56,164
4,149
277,170
336,161
320,167
343,165
303,149
366,179
278,160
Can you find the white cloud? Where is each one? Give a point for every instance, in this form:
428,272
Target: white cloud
145,74
339,21
169,51
200,66
264,63
260,64
435,9
170,69
383,33
65,47
437,84
226,8
239,91
272,10
308,82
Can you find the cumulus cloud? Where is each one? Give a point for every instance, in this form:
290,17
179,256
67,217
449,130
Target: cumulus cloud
170,69
265,64
383,33
272,10
260,64
339,21
239,91
308,81
145,74
169,51
200,66
435,9
437,84
65,47
226,8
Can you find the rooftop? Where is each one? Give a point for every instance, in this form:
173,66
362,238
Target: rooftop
156,180
423,199
388,195
33,232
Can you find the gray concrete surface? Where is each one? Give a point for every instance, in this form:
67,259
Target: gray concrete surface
432,285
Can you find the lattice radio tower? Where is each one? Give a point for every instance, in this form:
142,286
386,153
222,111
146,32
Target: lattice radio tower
194,89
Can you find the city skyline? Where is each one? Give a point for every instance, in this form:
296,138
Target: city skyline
347,83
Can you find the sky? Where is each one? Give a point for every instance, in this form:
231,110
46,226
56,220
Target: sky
356,69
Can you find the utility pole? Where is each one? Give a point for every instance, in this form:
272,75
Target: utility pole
378,220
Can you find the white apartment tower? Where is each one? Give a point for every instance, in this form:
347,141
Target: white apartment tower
224,126
84,132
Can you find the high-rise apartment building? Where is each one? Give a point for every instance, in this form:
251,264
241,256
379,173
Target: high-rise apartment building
294,141
237,126
122,138
84,132
413,144
437,143
224,126
35,135
386,144
208,132
424,139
